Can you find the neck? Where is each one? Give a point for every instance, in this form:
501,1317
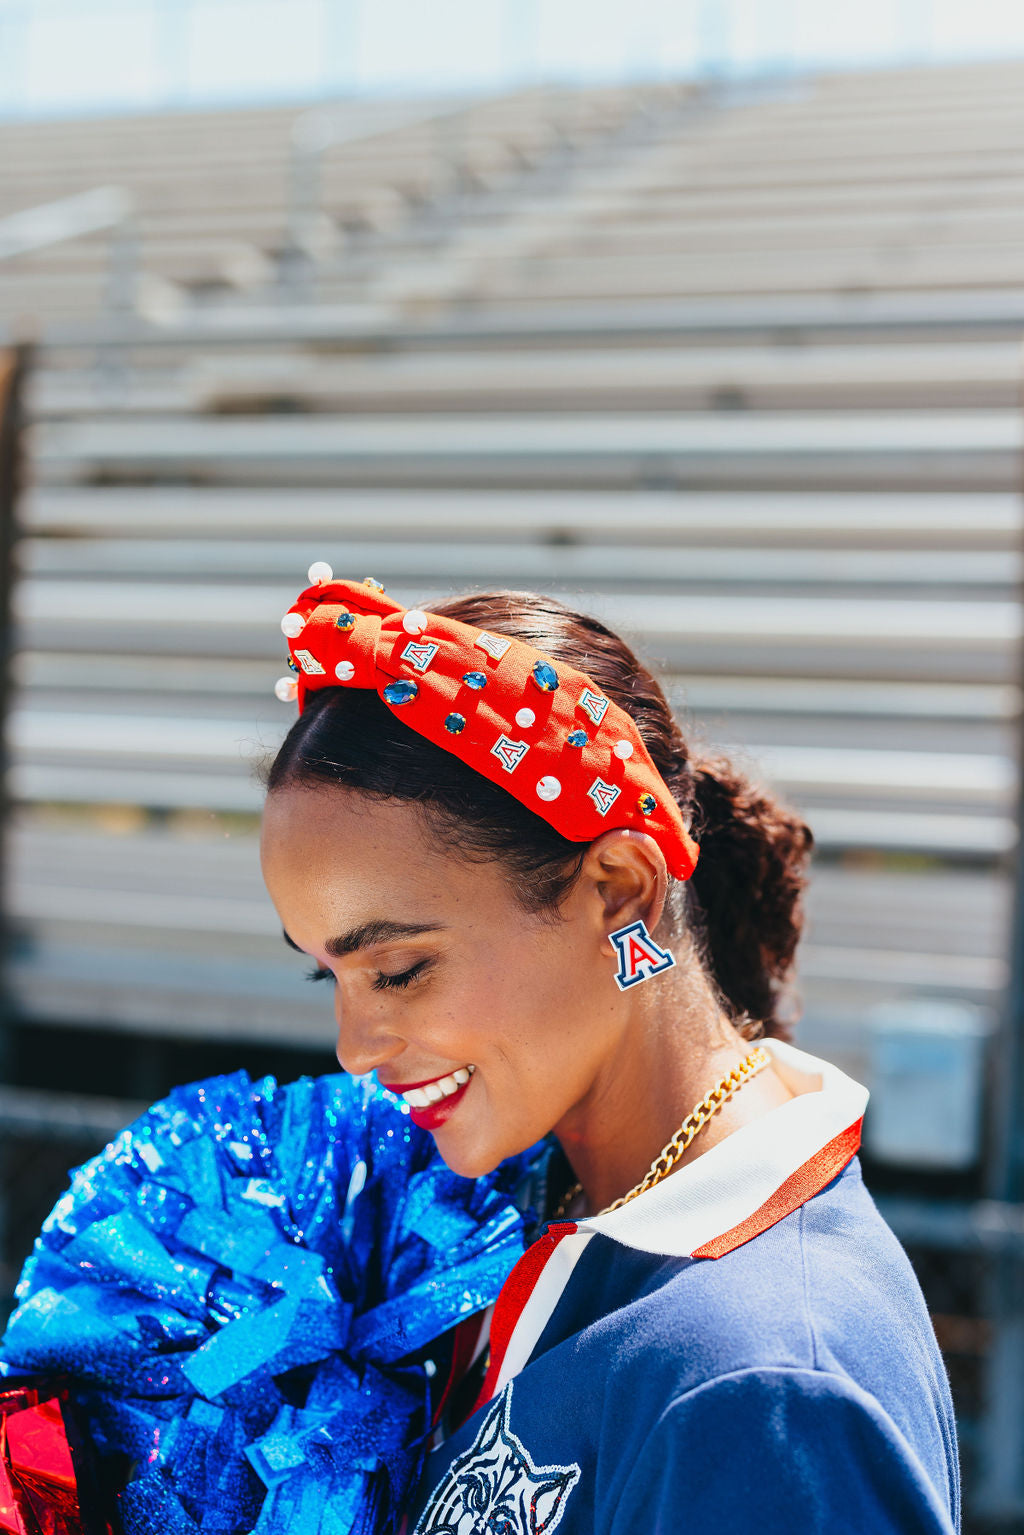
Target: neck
676,1048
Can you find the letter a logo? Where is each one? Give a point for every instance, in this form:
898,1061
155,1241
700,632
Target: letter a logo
639,956
595,705
419,656
603,794
309,663
509,753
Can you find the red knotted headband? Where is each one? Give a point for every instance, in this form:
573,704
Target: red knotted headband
538,728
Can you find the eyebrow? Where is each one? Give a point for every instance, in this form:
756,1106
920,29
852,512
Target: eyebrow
378,930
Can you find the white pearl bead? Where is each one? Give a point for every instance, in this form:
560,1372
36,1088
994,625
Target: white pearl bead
319,572
623,749
292,625
414,622
525,718
344,671
549,788
286,689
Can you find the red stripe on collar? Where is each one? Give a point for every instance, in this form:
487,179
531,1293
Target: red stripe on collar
807,1181
465,1337
515,1292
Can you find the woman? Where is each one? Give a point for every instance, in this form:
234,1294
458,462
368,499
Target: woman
479,829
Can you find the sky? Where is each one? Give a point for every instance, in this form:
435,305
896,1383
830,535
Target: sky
60,57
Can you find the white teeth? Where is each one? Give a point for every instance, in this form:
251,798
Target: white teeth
433,1092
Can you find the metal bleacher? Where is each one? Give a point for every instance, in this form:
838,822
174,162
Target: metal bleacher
737,367
738,370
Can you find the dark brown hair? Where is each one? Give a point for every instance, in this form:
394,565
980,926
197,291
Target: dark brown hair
742,905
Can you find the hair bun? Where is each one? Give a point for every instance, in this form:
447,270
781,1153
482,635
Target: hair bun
747,889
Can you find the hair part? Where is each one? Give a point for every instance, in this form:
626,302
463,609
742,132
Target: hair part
742,906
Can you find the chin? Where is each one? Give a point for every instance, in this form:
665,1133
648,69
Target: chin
469,1162
472,1158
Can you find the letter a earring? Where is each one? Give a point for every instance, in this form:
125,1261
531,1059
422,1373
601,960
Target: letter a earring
638,957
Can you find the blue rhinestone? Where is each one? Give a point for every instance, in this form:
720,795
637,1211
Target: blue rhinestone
455,723
475,680
293,664
544,676
647,804
577,738
345,621
401,692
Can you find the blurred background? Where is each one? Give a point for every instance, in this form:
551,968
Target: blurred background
707,317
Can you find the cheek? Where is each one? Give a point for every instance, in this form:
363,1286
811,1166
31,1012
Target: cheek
520,976
530,1001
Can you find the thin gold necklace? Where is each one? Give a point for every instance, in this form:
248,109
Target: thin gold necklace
698,1117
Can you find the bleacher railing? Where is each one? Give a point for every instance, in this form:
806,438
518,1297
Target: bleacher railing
103,209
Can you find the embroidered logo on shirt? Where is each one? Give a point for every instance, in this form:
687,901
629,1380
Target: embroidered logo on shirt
494,1485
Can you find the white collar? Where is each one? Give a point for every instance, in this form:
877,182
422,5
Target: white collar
756,1175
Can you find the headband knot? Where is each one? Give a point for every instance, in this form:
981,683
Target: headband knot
538,728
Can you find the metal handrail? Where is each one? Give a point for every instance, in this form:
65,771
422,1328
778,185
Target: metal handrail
67,219
313,133
70,218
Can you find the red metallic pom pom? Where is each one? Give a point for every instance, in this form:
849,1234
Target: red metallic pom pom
44,1483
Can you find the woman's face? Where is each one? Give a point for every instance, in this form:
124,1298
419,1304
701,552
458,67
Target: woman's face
443,984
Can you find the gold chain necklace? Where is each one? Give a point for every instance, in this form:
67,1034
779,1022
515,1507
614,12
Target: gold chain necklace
698,1117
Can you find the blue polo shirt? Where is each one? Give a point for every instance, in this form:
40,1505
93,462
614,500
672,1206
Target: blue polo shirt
773,1373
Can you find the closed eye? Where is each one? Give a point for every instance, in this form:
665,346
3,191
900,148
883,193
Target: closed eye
384,982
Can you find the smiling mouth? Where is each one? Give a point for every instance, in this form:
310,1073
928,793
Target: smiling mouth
425,1093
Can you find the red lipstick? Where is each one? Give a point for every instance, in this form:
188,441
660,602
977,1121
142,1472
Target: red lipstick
433,1115
407,1087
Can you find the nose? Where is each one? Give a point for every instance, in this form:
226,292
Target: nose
364,1044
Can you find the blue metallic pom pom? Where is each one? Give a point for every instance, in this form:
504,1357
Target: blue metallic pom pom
544,676
401,692
475,680
455,723
577,738
250,1291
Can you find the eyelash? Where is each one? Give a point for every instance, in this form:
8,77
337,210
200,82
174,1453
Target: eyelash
382,983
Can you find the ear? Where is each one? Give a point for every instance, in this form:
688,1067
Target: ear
495,1421
628,879
547,1498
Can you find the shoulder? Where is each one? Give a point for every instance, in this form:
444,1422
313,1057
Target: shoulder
777,1449
796,1295
825,1295
819,1315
